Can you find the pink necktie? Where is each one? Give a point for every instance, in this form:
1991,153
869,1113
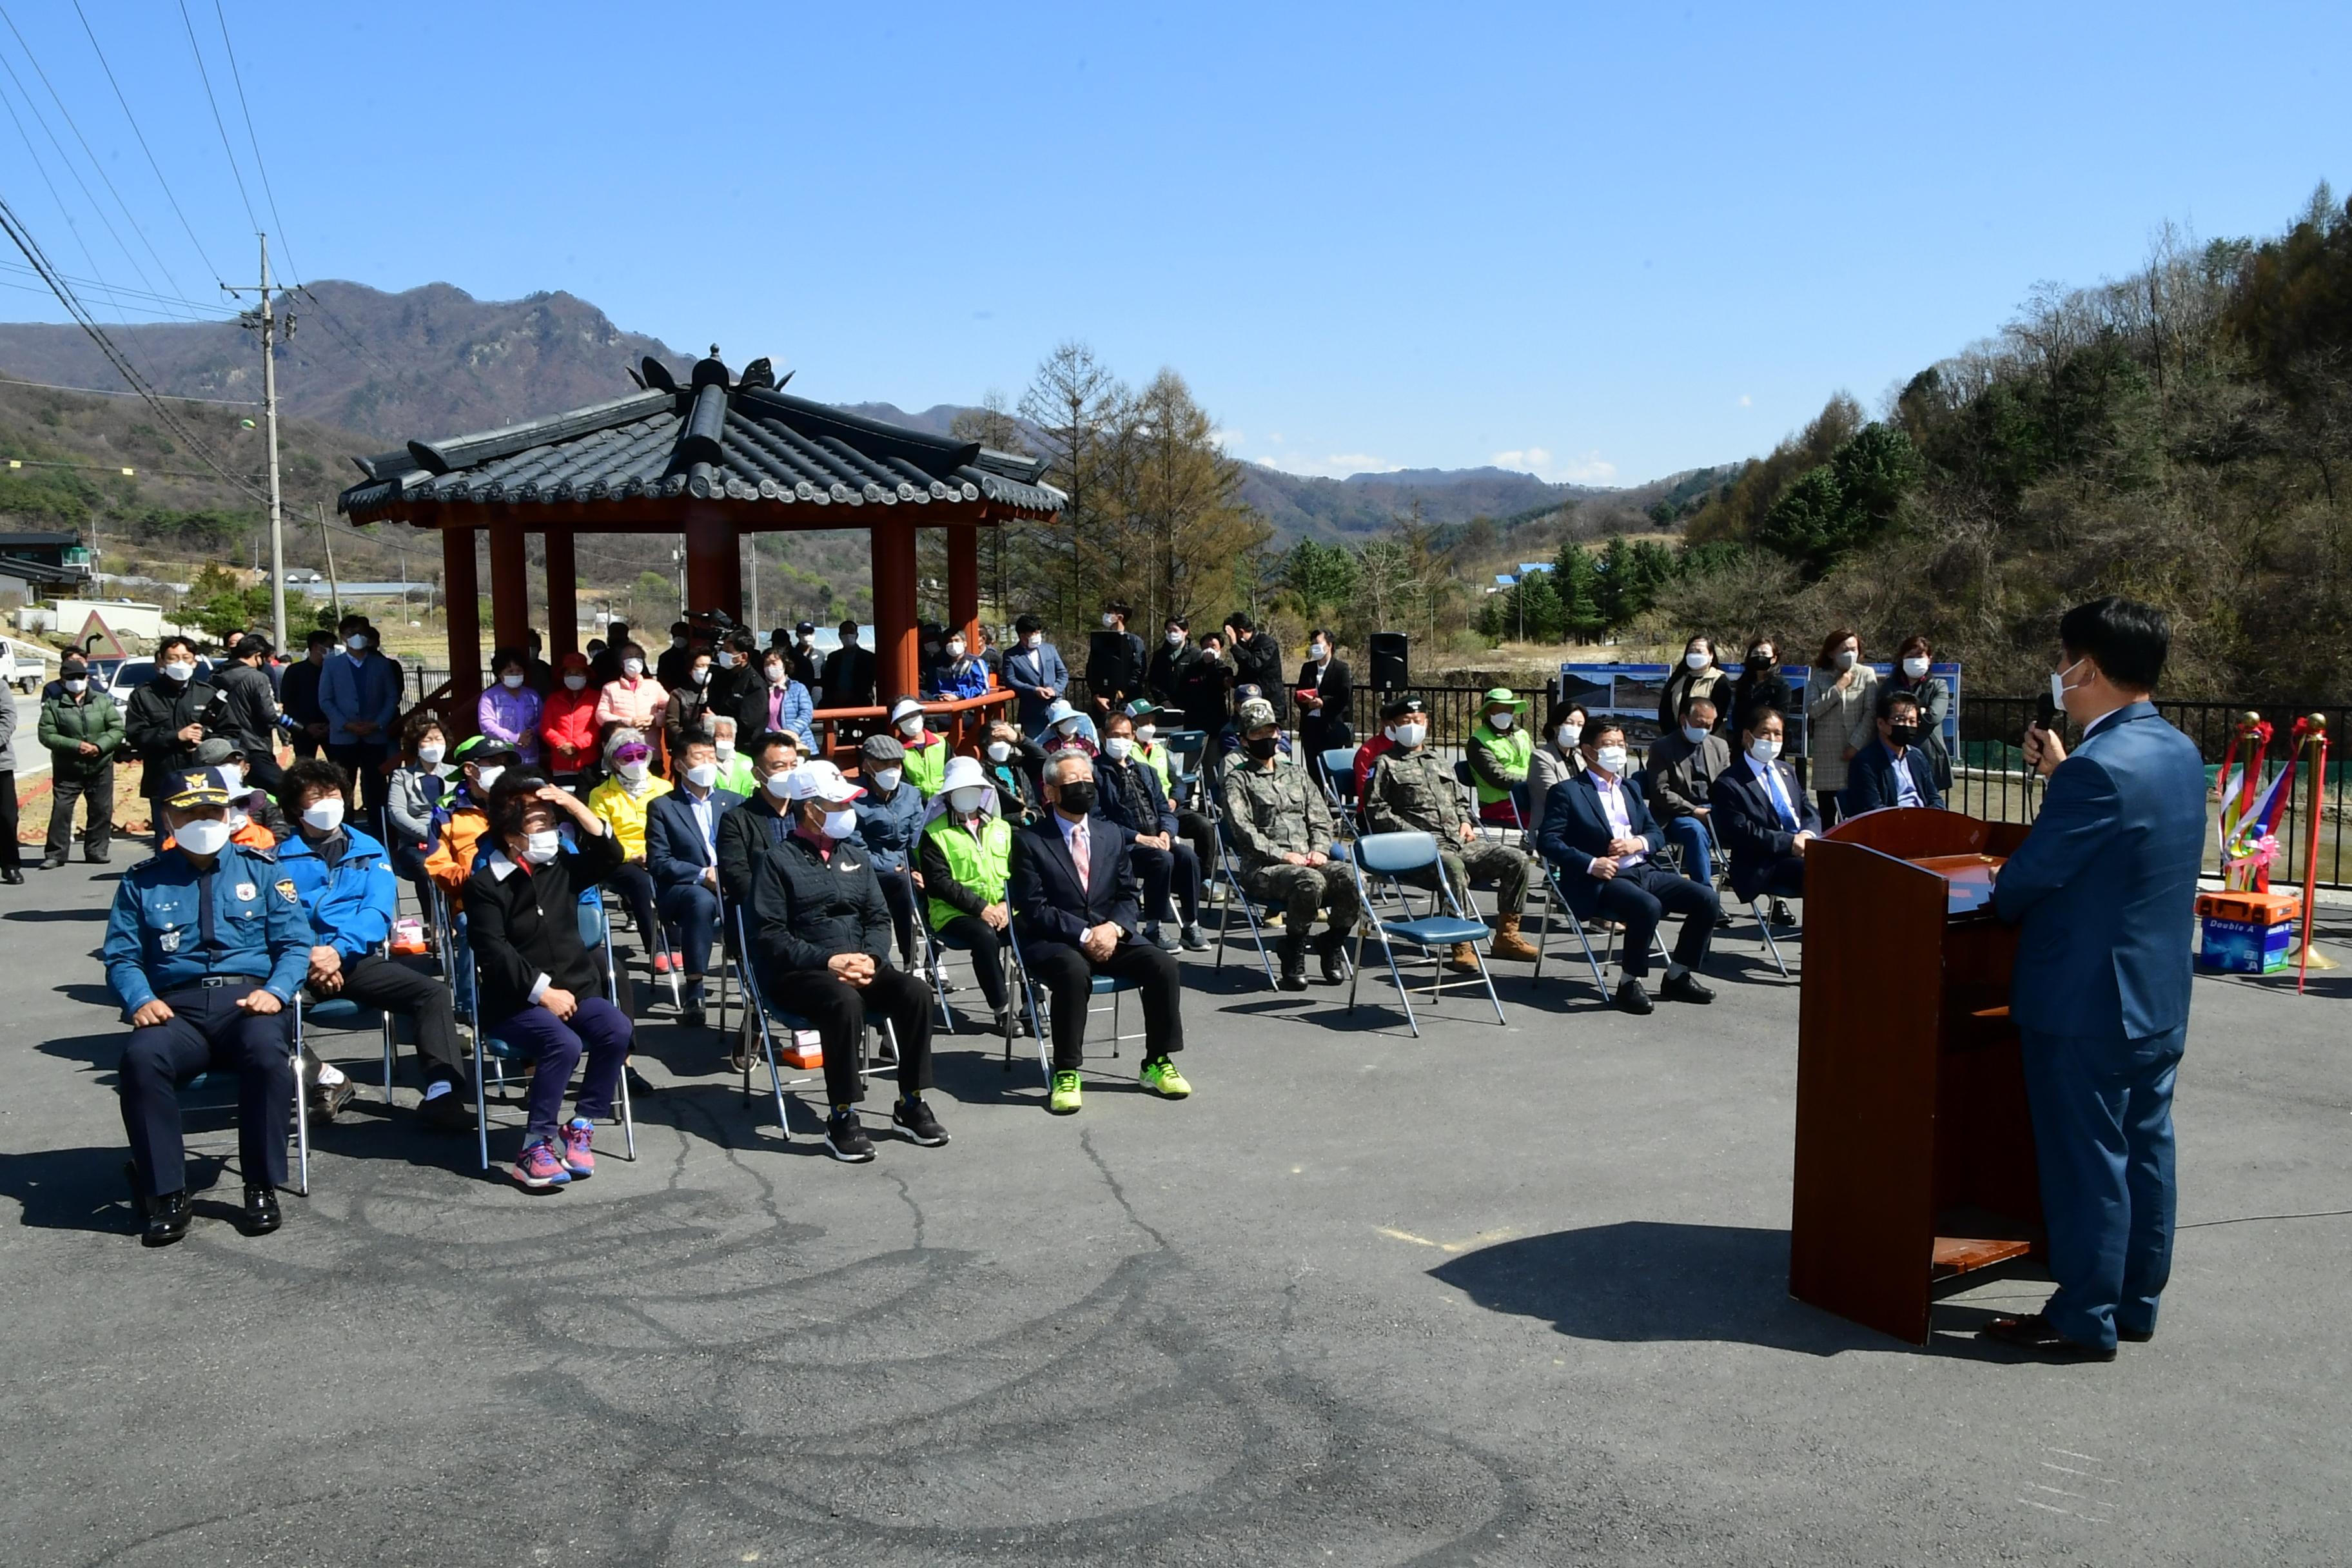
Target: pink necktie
1081,853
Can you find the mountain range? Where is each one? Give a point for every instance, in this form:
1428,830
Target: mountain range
434,361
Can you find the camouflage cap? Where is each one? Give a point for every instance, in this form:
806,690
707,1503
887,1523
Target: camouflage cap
1257,713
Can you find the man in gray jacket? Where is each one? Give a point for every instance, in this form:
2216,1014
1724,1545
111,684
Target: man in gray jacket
1683,767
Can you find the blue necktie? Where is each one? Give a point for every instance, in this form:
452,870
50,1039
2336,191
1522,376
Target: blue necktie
1779,800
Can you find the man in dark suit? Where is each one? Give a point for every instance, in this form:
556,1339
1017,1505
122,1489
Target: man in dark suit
1600,835
2104,890
1073,895
682,856
1326,695
1762,815
849,672
1257,661
1892,770
1115,666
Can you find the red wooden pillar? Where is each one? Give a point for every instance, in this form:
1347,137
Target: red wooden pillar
510,587
714,565
963,581
461,594
896,664
563,595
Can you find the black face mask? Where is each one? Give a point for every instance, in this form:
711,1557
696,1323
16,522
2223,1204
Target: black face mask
1262,747
1078,796
1903,734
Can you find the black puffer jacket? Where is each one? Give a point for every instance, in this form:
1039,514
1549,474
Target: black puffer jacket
152,723
806,909
526,922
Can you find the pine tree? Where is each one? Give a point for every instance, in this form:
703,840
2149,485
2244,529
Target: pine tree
1578,582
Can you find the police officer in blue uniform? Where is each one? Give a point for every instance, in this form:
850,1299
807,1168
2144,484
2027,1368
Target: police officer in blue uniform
203,949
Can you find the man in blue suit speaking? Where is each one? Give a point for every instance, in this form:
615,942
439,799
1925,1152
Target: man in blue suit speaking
2104,890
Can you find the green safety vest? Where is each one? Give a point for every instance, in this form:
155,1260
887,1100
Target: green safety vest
1157,755
981,865
927,767
1516,748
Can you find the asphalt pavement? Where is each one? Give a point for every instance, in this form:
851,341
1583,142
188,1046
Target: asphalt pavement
1502,1295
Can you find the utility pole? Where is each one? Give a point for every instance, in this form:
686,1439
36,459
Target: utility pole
751,541
334,586
265,321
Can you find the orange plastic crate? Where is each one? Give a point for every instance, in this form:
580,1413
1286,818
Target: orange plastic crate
2253,909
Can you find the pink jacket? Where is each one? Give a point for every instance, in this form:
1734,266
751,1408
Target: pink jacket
636,703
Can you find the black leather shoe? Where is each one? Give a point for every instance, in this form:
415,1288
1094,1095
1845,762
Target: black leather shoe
167,1219
1686,987
328,1099
1632,998
95,860
13,877
2035,1333
1782,915
262,1213
693,1017
1335,962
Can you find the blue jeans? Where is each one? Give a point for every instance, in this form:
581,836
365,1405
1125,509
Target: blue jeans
1691,834
2103,1137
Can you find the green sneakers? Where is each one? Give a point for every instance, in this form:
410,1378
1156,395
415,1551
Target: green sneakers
1064,1099
1160,1077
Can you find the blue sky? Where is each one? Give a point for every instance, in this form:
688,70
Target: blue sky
1600,243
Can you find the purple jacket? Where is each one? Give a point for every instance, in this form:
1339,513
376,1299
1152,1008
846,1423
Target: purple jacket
511,717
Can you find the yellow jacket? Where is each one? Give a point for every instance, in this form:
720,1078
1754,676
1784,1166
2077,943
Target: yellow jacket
624,813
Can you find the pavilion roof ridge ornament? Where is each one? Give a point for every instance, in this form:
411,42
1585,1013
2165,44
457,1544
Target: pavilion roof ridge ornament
715,435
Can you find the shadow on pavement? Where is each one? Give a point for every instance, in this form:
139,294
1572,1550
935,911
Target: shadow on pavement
48,917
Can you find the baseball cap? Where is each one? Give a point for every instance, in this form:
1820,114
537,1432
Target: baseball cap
198,786
820,780
1257,713
482,751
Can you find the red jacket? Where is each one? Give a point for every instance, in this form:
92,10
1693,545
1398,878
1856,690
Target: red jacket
568,725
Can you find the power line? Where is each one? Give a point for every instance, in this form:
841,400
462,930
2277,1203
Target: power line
163,317
204,312
141,135
218,123
109,392
104,178
263,169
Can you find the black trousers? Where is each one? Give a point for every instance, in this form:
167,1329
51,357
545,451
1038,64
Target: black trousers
898,892
980,939
11,858
207,1029
838,1011
374,981
1201,834
1644,895
1176,866
306,744
635,884
364,760
1828,802
1068,975
97,795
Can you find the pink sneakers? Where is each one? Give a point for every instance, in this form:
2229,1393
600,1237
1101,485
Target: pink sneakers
579,1159
538,1166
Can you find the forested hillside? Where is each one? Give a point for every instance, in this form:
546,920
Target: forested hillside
2183,435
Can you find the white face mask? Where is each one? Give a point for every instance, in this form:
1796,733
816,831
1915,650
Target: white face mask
1032,641
486,779
726,659
1118,746
1502,721
1409,735
239,819
702,775
357,645
886,780
1610,760
543,847
77,687
1845,659
325,816
955,649
776,783
1694,733
1144,732
2058,687
180,670
1319,653
1764,749
1109,620
633,667
632,772
912,724
725,749
576,683
511,682
964,802
1175,639
1567,736
999,749
429,754
1696,660
840,824
1915,666
701,675
206,835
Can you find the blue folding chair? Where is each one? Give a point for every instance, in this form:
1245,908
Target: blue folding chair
1391,856
1041,1018
341,1013
596,935
1186,748
1339,783
770,1017
229,1075
1229,874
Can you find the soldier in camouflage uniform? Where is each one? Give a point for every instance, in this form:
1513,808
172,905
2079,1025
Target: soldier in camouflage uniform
1282,833
1411,791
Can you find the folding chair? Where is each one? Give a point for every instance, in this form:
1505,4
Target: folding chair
1186,748
1388,856
1468,778
229,1075
758,1009
1041,1019
1558,899
342,1012
1340,785
1229,874
596,934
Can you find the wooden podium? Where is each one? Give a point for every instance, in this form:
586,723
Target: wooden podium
1915,1153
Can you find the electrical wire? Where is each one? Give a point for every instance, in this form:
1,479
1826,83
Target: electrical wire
120,98
204,314
109,392
234,76
163,315
218,123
